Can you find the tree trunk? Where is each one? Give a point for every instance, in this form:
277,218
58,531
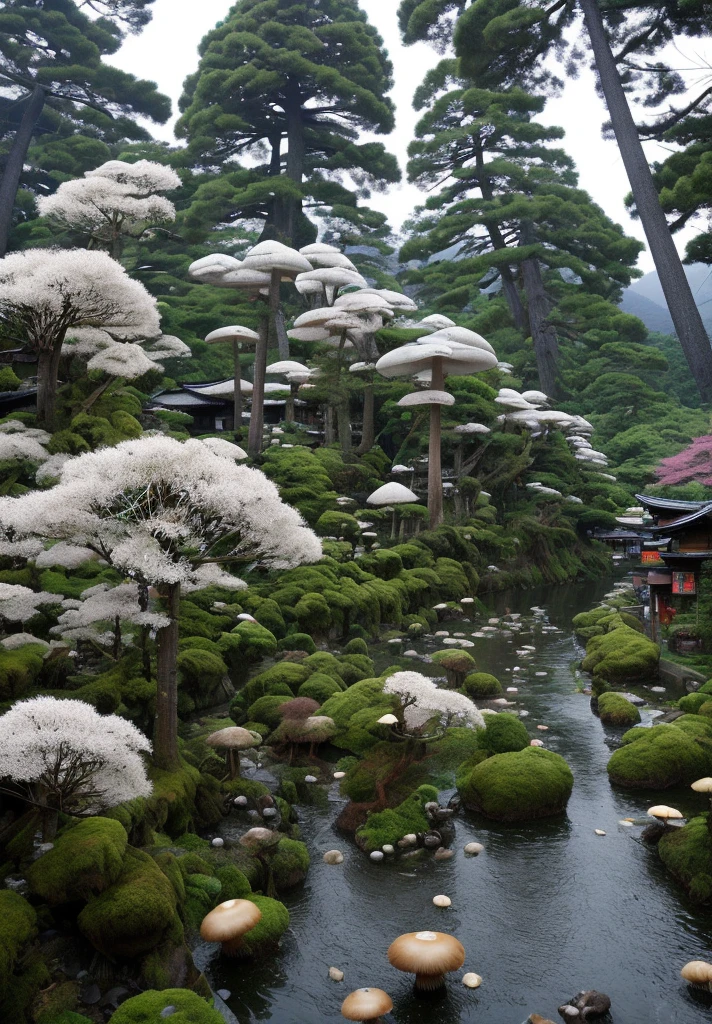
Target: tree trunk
295,155
368,433
281,332
435,479
511,294
145,630
254,442
343,420
165,735
237,397
328,425
289,408
47,369
678,295
546,345
12,172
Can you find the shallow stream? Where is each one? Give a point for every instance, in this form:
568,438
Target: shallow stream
548,909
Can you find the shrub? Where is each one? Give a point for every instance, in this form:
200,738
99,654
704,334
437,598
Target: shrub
692,702
502,733
518,786
266,709
313,613
19,669
87,857
338,524
148,1008
614,709
660,757
482,684
256,642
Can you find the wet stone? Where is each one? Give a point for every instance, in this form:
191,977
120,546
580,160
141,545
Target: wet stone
91,995
224,993
167,1012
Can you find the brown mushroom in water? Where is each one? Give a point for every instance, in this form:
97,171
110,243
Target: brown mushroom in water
228,922
232,740
698,973
427,955
366,1005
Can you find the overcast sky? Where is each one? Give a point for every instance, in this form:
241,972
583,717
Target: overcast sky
166,52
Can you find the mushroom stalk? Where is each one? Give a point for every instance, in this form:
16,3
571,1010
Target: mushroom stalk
237,399
435,482
368,432
254,443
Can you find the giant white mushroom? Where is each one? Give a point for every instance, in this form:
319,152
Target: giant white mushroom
237,336
392,494
320,254
296,374
331,279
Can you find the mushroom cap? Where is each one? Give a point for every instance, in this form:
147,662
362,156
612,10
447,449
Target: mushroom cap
230,920
436,322
398,300
272,255
391,494
462,336
309,287
224,388
334,277
409,359
427,398
513,402
366,1004
364,300
322,255
319,728
426,953
232,738
702,785
697,972
308,334
318,247
535,397
457,359
260,838
217,261
233,333
388,720
299,708
472,428
361,367
287,366
316,317
664,812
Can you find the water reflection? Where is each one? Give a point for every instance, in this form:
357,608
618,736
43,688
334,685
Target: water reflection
548,909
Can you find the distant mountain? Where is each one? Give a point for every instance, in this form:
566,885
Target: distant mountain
645,299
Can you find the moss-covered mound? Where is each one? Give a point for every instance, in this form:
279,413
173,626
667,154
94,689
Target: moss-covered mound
86,859
395,822
289,864
687,854
135,914
518,786
502,733
150,1007
481,684
621,656
456,664
666,755
17,926
614,709
270,928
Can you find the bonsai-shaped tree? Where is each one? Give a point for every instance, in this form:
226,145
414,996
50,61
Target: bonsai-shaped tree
46,292
62,755
422,700
692,465
167,514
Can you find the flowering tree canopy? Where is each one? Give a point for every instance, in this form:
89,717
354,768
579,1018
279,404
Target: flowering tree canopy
113,201
18,603
422,699
693,463
64,756
46,292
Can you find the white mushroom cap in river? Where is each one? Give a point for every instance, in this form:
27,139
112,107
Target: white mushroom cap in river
698,973
235,332
665,813
391,494
272,255
228,922
428,955
702,785
366,1004
426,398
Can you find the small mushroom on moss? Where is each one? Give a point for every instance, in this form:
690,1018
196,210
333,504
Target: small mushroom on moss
232,740
698,973
228,922
428,955
664,813
366,1005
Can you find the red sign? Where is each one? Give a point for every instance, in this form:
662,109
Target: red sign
684,583
648,557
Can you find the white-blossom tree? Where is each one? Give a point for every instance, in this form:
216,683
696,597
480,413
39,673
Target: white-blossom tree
421,699
62,755
105,604
162,511
113,202
18,603
46,292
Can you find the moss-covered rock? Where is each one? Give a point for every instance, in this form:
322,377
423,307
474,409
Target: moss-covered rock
502,733
687,854
320,687
235,885
134,915
481,684
518,786
457,665
356,646
149,1007
267,710
86,859
18,922
622,655
660,757
289,864
392,824
615,709
692,702
19,669
269,929
297,641
256,642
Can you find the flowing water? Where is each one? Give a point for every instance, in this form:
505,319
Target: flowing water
548,909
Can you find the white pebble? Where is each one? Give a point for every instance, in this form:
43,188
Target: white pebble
474,848
335,974
543,728
471,980
376,855
536,743
599,831
541,673
388,848
310,778
333,857
339,775
218,841
240,801
628,824
512,689
442,901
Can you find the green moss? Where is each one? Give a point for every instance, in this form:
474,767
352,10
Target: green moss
502,733
250,788
657,758
457,665
191,841
338,524
135,914
518,786
355,667
687,854
267,710
270,928
256,642
614,709
621,656
17,926
356,646
235,885
320,687
482,684
324,662
297,642
313,613
392,824
19,669
168,863
289,864
86,859
692,702
205,884
148,1007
